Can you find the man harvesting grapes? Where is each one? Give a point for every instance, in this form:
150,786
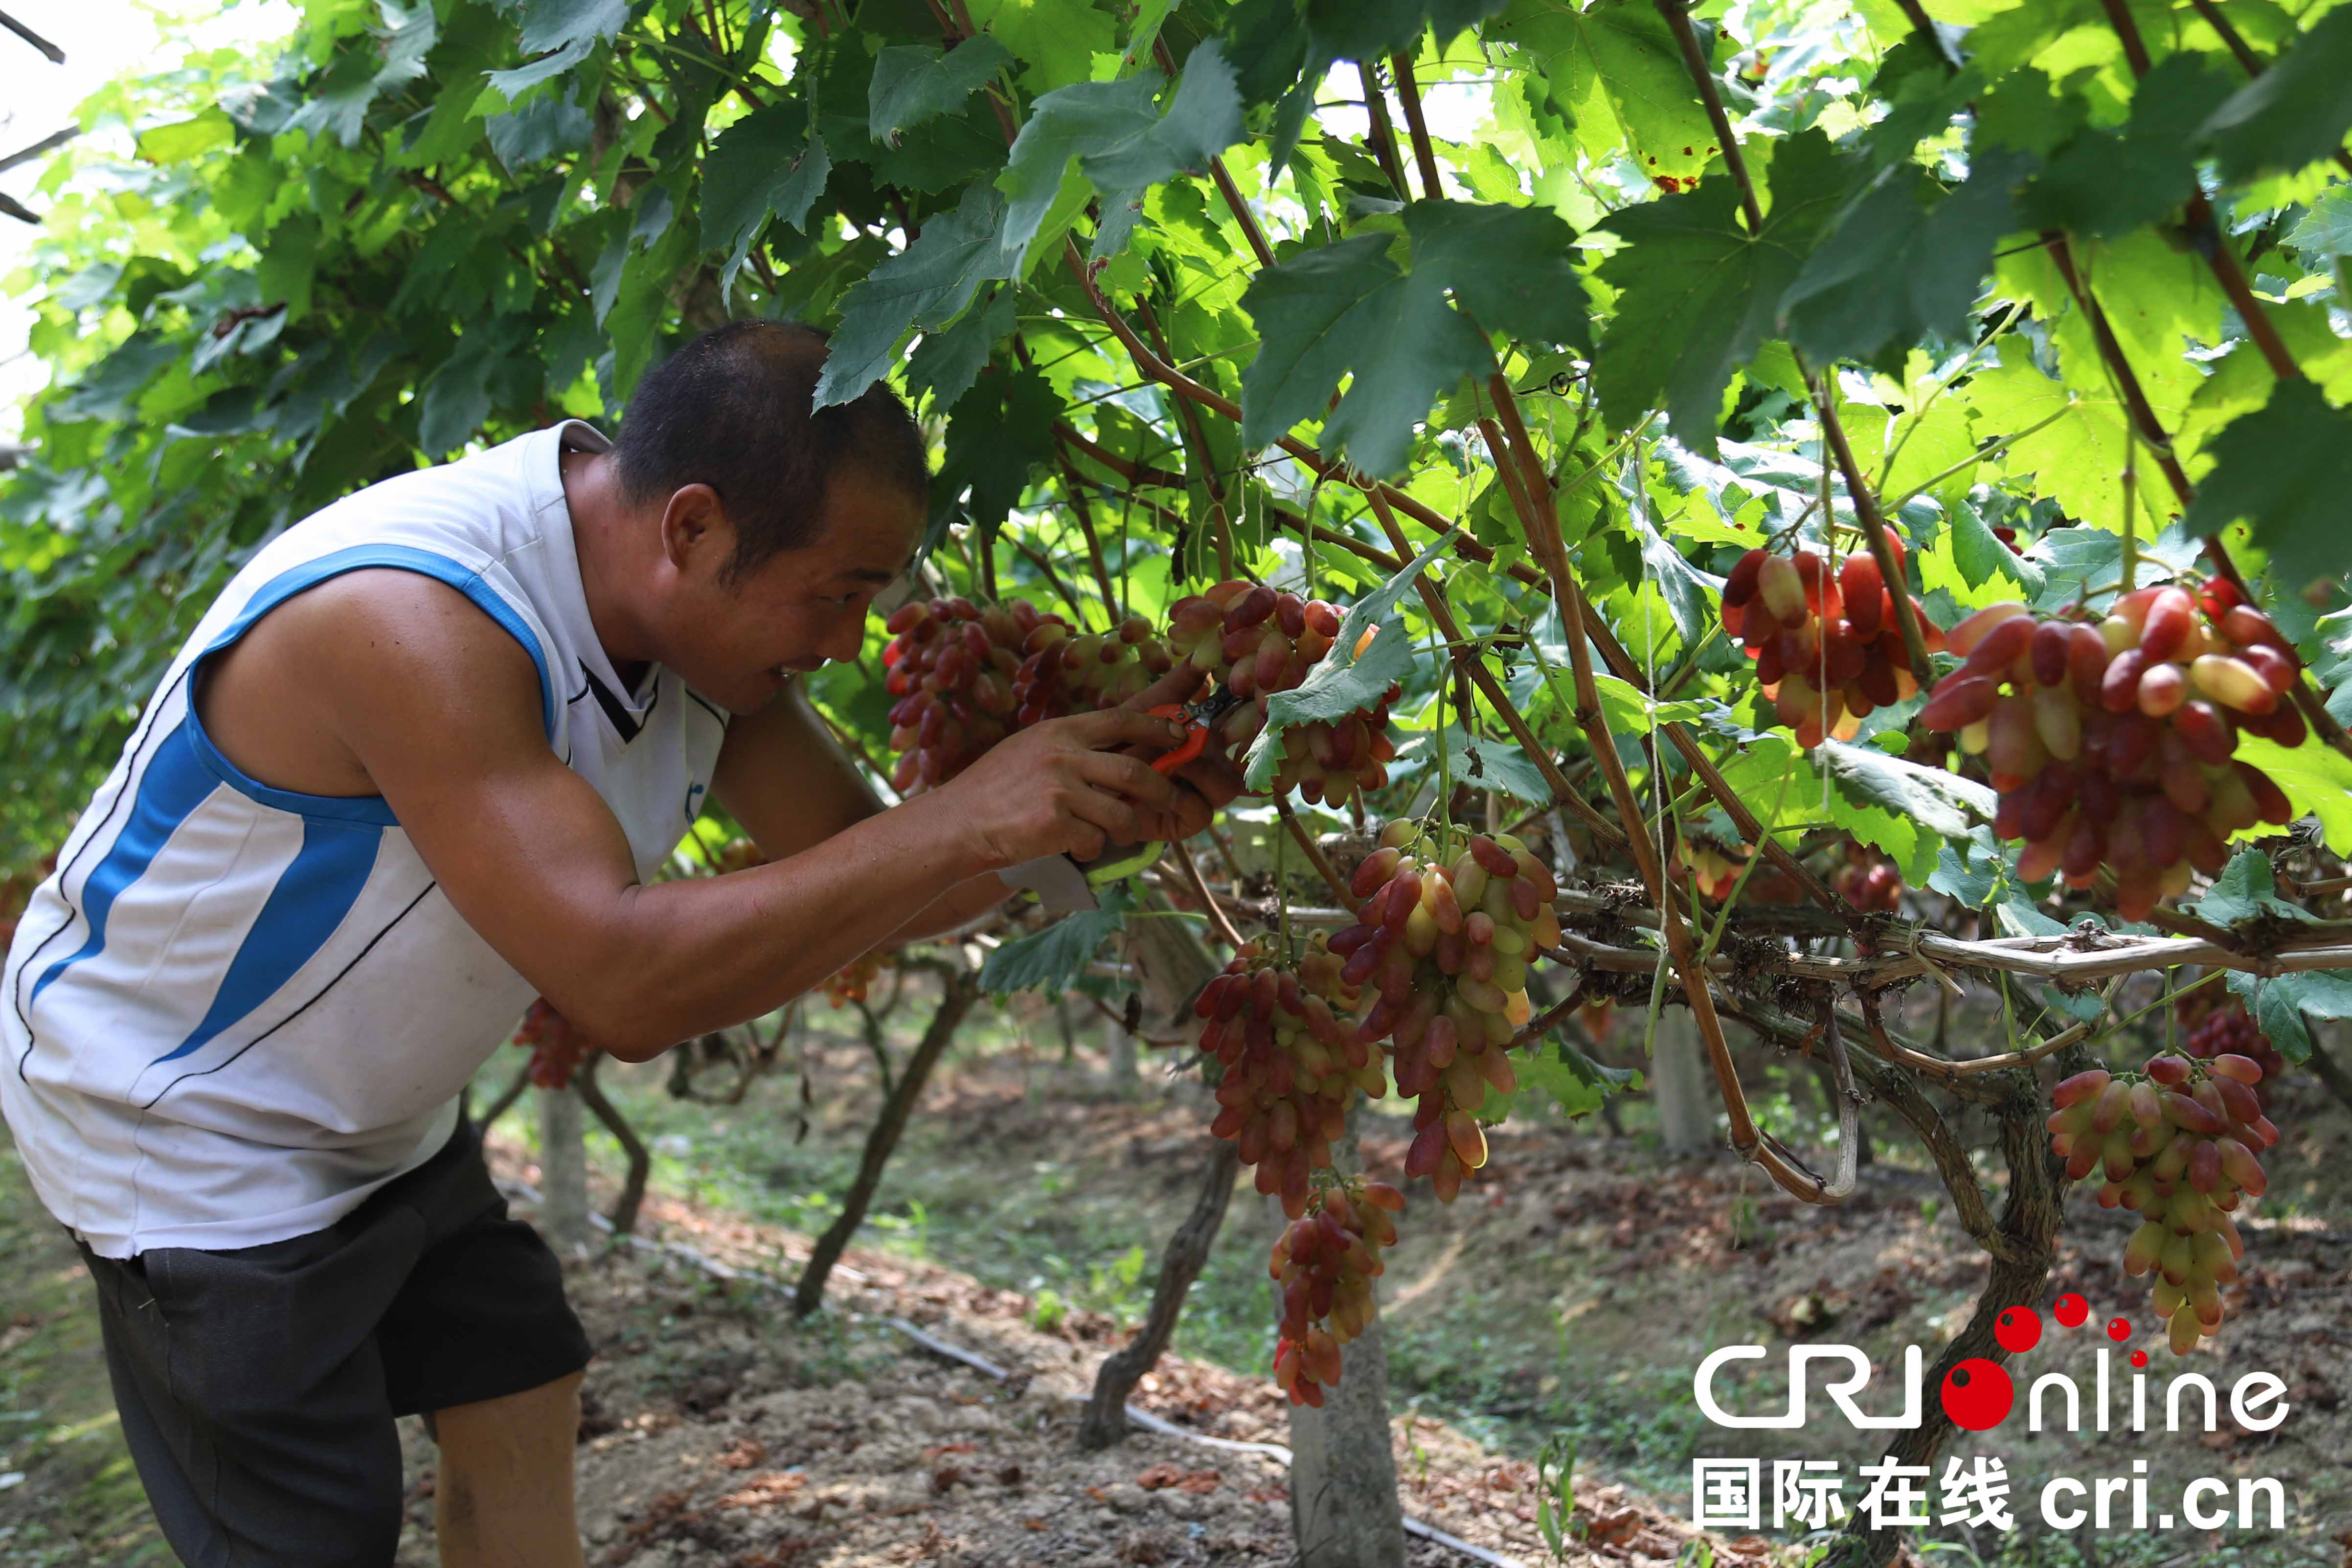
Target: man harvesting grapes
417,765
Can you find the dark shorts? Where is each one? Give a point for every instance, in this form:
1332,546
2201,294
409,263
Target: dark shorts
257,1387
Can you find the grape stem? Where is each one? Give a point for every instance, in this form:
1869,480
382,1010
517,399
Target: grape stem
1217,916
1314,852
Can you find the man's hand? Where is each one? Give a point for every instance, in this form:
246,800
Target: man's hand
1064,787
1206,785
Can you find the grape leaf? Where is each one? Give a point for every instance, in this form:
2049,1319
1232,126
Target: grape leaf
2316,779
946,363
2295,113
1698,294
2325,228
1120,139
2244,890
184,138
2110,181
1902,260
1970,869
913,83
1615,70
1943,803
511,84
926,285
1577,1082
1370,29
762,164
1052,960
1479,760
2284,468
2278,1003
557,23
1341,683
1510,267
998,432
1343,307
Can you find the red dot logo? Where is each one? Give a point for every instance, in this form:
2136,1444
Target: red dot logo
2139,1358
2071,1310
1976,1394
2018,1330
2118,1328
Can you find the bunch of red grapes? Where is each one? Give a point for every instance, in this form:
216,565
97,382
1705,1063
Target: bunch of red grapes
556,1048
1449,923
2223,1027
964,678
2110,742
1827,646
1258,642
1290,1064
1325,1263
2178,1145
1867,879
852,981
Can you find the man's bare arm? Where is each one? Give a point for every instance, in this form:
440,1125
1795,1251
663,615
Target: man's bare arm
782,776
442,711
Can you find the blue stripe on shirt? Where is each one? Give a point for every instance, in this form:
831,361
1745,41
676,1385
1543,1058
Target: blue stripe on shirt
314,893
173,784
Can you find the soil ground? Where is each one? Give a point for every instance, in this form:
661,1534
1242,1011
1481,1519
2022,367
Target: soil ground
1568,1297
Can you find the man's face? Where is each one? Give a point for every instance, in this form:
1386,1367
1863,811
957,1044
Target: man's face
739,641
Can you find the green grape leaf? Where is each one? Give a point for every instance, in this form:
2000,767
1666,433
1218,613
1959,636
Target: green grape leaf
2325,228
1120,139
184,138
1052,960
998,432
1511,268
1943,803
2278,1003
2294,113
1058,41
511,84
913,83
555,24
1970,869
1577,1082
1341,683
926,285
2244,890
1479,760
946,363
2285,470
1371,29
2316,780
1902,260
537,132
1615,70
763,164
2111,182
1345,307
1698,294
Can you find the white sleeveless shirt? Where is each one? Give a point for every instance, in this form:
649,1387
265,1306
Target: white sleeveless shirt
233,1012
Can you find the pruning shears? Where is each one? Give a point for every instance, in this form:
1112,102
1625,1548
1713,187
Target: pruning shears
1196,716
1062,885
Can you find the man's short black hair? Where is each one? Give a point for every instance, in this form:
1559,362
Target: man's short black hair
734,409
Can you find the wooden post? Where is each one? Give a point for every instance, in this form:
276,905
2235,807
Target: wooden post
1344,1507
1683,1086
563,1172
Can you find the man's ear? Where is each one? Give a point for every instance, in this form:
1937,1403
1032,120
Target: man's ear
695,529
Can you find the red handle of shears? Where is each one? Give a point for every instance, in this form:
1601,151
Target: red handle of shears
1196,737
